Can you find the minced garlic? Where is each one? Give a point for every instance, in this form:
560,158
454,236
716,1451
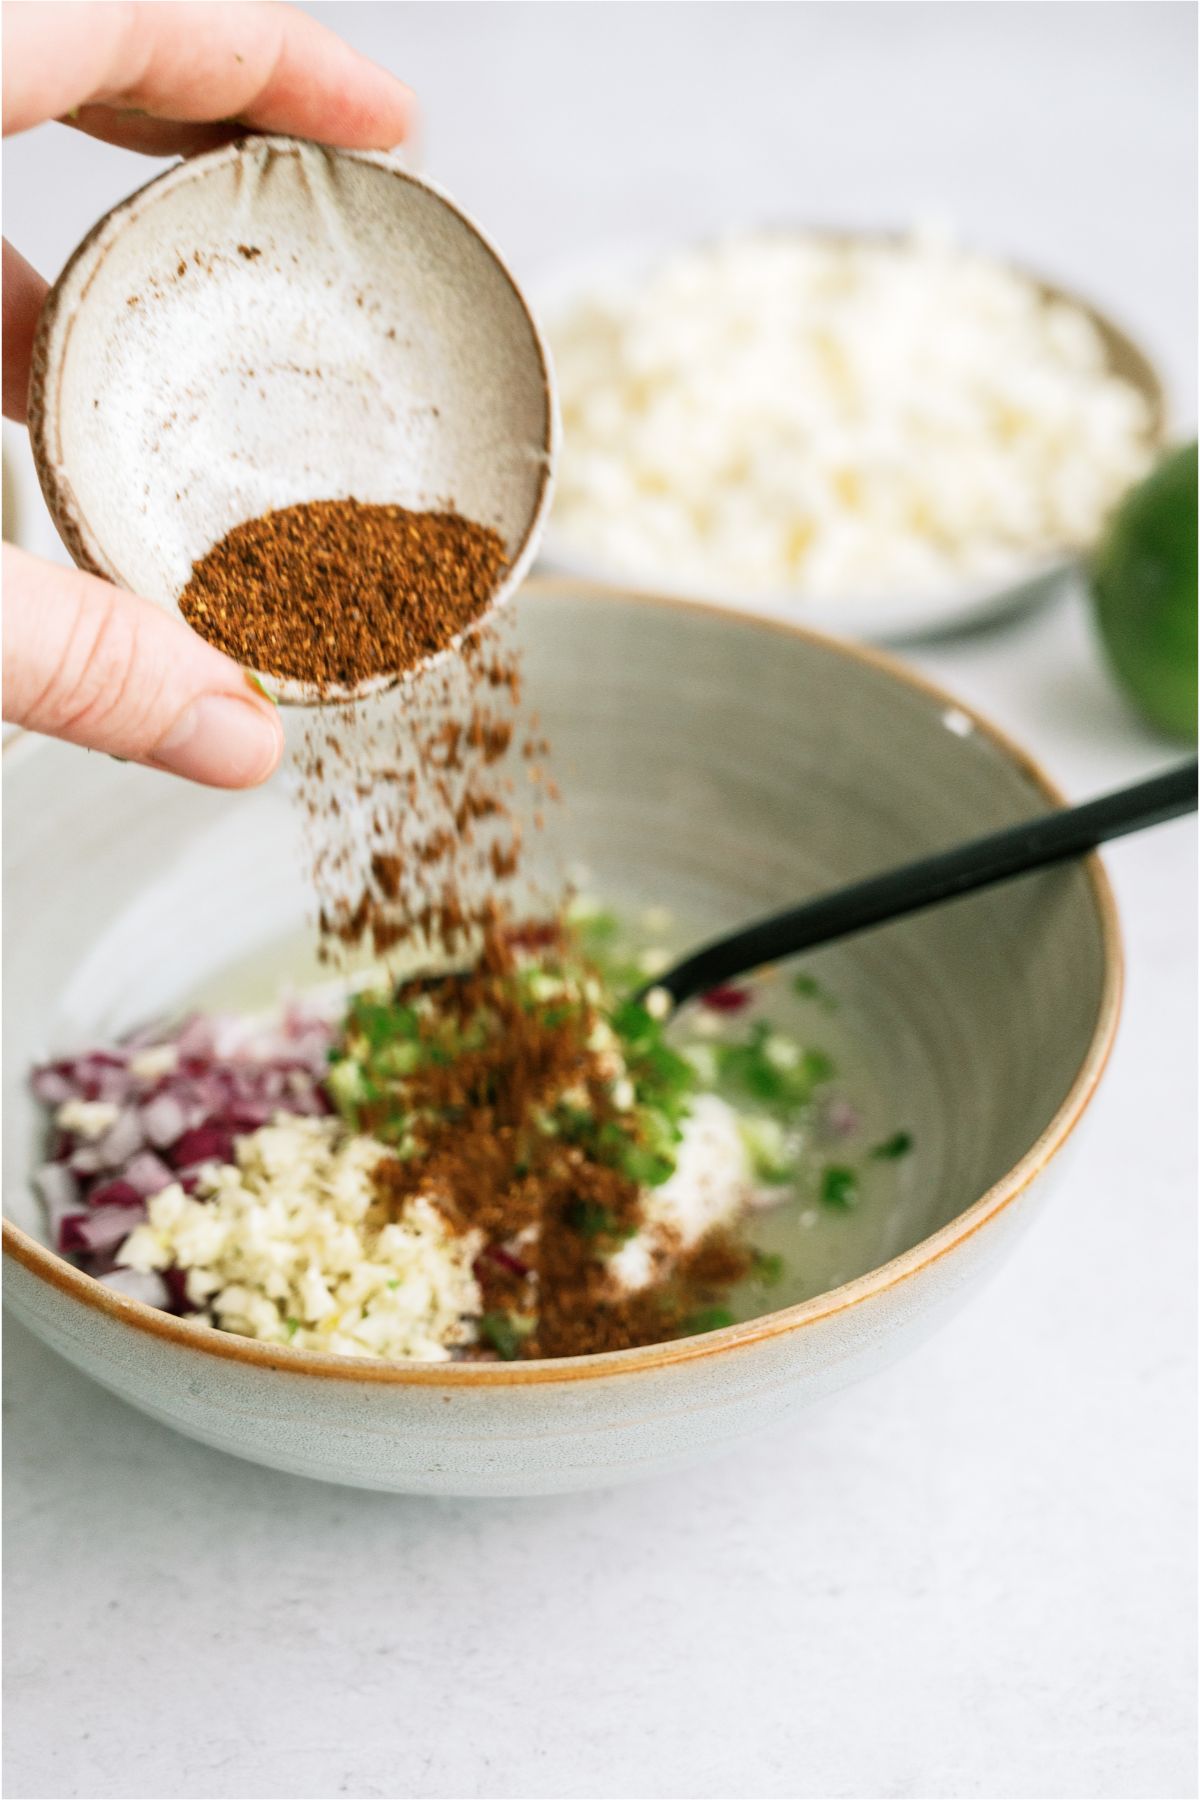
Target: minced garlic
289,1247
88,1119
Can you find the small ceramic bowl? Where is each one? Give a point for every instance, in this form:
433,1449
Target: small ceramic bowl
881,618
276,322
716,765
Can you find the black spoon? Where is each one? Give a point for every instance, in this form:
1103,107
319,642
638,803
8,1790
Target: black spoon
1053,838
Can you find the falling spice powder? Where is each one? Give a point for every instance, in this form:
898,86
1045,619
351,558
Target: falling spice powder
500,1104
414,832
335,592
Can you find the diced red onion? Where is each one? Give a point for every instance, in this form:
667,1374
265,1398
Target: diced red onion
115,1193
229,1077
309,1105
839,1118
726,999
100,1230
139,1284
51,1085
249,1115
175,1281
147,1174
196,1037
163,1120
100,1262
504,1259
122,1140
208,1143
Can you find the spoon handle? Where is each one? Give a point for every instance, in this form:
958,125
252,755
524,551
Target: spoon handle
1055,837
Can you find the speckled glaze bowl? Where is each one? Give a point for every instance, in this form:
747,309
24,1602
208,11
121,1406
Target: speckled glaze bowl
274,322
712,763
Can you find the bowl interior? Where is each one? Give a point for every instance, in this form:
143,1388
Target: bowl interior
709,763
272,323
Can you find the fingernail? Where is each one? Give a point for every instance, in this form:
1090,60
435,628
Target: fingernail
223,741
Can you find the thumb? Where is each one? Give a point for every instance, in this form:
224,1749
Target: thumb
85,661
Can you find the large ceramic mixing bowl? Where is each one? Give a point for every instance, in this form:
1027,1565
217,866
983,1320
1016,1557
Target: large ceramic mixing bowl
717,765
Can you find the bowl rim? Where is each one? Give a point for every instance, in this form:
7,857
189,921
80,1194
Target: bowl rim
46,1265
60,313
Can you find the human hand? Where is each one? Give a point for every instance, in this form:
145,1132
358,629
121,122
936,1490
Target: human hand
83,660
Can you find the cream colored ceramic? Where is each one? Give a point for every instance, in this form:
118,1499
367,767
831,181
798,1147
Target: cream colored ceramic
721,766
276,322
870,617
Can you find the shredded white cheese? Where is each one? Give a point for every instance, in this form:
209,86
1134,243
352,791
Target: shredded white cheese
711,1185
791,413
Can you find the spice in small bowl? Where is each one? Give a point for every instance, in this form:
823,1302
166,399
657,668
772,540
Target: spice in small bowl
259,334
334,593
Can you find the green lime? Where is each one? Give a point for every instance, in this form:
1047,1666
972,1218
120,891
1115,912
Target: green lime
1144,585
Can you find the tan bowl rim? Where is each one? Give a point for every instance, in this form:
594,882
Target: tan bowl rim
47,1266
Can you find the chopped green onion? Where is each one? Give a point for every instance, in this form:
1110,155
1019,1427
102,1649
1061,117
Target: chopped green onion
767,1267
591,1220
760,1069
839,1187
766,1144
649,1168
709,1318
807,987
503,1333
899,1144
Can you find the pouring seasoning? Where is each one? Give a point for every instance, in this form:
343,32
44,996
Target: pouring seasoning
335,592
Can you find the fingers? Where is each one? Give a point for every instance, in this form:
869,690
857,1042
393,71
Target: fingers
24,292
90,663
151,137
268,66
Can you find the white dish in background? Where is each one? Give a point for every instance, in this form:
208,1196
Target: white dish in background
878,617
907,618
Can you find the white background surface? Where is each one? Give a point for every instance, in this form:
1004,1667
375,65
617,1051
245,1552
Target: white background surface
973,1576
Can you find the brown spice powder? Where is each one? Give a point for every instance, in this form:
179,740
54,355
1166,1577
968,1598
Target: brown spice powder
409,809
550,1212
413,837
335,592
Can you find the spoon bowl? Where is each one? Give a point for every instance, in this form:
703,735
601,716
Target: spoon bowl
276,322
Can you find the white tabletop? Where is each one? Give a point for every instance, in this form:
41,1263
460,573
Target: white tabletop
972,1576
